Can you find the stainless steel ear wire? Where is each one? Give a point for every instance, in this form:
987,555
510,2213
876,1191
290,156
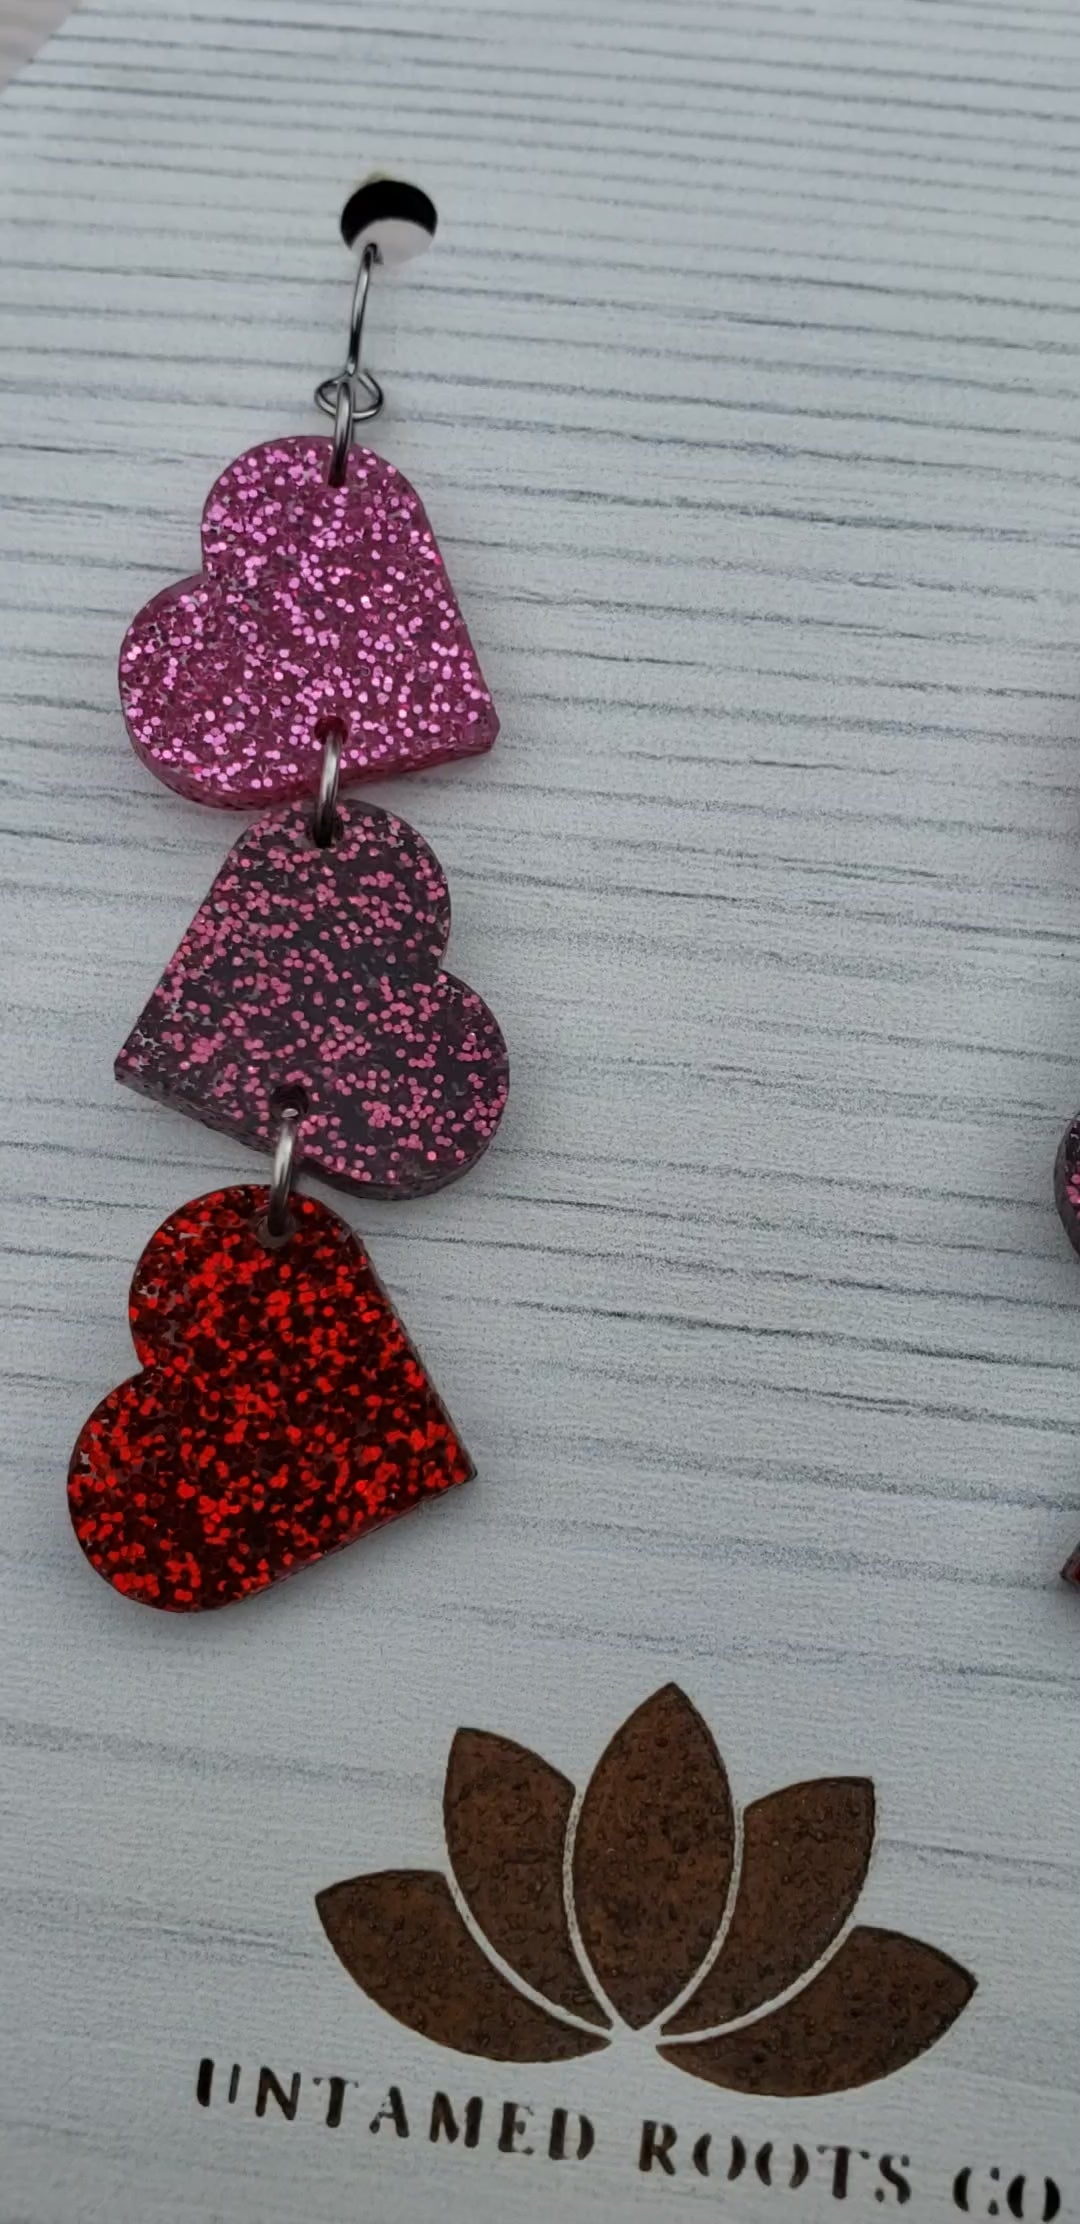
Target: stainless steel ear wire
385,221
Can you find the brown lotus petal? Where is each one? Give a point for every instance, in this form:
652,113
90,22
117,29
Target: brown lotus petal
652,1855
880,2001
805,1856
506,1812
401,1937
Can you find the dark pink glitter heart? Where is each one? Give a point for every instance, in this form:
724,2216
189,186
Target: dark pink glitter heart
315,604
312,976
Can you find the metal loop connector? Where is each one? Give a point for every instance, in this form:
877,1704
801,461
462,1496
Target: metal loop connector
278,1222
365,395
324,816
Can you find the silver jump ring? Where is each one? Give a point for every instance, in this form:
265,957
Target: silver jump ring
278,1223
326,395
324,817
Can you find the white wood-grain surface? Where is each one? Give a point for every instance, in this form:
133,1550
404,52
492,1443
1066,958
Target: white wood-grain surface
743,388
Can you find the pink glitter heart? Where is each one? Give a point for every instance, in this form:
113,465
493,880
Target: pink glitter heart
316,604
313,975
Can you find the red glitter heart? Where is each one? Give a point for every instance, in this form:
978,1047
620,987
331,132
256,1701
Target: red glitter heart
281,1411
315,603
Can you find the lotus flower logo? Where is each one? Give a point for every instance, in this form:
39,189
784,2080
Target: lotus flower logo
651,1906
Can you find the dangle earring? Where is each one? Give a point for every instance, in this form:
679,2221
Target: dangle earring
281,1411
323,597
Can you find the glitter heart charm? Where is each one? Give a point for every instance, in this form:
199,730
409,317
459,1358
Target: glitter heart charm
311,976
316,604
281,1411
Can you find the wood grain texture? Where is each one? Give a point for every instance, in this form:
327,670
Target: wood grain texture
743,390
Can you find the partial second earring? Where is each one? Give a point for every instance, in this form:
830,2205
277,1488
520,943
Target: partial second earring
280,1410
